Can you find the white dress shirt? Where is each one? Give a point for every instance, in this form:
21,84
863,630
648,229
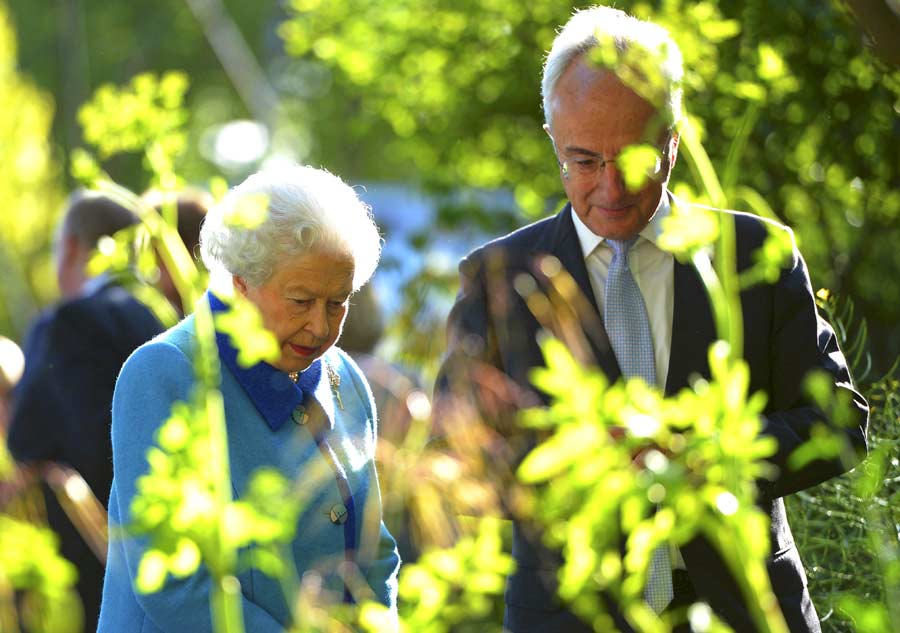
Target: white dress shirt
653,271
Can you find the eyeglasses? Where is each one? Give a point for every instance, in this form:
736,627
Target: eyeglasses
586,165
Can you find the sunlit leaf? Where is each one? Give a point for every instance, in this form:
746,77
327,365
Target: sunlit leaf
186,558
244,325
152,571
247,211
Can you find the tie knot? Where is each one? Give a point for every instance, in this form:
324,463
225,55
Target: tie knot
620,247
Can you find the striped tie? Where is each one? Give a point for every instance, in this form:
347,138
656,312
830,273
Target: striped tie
625,317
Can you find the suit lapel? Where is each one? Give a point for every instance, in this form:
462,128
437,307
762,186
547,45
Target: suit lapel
563,244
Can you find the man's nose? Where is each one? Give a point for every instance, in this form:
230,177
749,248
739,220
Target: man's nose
612,181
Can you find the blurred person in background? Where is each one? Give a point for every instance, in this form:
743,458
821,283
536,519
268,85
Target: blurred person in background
308,412
73,353
191,207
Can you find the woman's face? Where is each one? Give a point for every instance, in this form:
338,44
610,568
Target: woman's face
304,304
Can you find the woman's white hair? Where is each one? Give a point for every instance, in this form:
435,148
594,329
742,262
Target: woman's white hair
647,43
309,210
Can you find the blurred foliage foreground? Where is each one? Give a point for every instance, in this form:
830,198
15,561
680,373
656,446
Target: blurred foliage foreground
579,483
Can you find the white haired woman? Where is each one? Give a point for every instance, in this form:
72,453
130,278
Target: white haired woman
308,412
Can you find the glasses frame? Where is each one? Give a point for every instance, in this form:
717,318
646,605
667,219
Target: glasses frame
585,171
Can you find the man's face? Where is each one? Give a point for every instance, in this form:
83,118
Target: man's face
595,116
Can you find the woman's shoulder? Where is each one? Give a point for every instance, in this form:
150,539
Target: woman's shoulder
346,367
166,352
350,372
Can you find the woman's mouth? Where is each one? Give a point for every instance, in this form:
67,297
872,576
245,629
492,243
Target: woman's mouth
302,350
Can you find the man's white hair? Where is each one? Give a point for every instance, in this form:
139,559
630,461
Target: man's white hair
642,41
309,210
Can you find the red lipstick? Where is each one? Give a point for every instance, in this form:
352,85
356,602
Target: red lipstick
302,350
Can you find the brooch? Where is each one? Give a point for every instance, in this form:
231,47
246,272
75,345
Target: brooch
335,381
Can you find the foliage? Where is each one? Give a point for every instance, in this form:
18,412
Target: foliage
146,117
700,454
30,563
29,187
451,589
75,48
36,583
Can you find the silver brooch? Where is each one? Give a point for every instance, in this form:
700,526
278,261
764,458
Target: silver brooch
335,381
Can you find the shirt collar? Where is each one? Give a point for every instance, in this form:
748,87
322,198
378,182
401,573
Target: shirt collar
589,240
270,390
93,285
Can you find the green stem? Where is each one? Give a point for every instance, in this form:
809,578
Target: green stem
171,249
727,301
226,601
225,597
736,149
226,607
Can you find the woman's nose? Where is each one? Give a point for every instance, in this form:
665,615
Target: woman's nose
318,323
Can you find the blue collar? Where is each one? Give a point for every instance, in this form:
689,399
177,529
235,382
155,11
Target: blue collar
270,390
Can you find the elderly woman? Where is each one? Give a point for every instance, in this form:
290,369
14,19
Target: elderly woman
307,413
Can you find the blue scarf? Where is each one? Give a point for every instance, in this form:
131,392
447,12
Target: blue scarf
271,390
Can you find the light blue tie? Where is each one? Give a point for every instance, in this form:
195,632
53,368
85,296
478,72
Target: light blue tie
625,317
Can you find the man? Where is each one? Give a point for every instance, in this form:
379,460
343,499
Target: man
646,314
61,407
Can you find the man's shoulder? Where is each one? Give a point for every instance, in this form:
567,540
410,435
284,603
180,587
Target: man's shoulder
750,228
107,324
524,241
111,297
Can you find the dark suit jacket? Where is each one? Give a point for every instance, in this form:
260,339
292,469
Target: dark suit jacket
783,340
62,406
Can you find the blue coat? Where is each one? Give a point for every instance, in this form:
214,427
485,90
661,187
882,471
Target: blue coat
160,373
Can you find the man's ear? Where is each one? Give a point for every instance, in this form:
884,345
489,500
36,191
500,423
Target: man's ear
240,284
70,249
673,151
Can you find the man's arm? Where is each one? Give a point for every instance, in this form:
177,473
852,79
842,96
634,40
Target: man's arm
36,401
802,342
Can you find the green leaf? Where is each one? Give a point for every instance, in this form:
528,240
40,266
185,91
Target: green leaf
152,571
186,558
771,63
638,164
246,211
244,325
687,230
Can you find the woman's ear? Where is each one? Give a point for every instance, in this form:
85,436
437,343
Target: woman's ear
240,284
